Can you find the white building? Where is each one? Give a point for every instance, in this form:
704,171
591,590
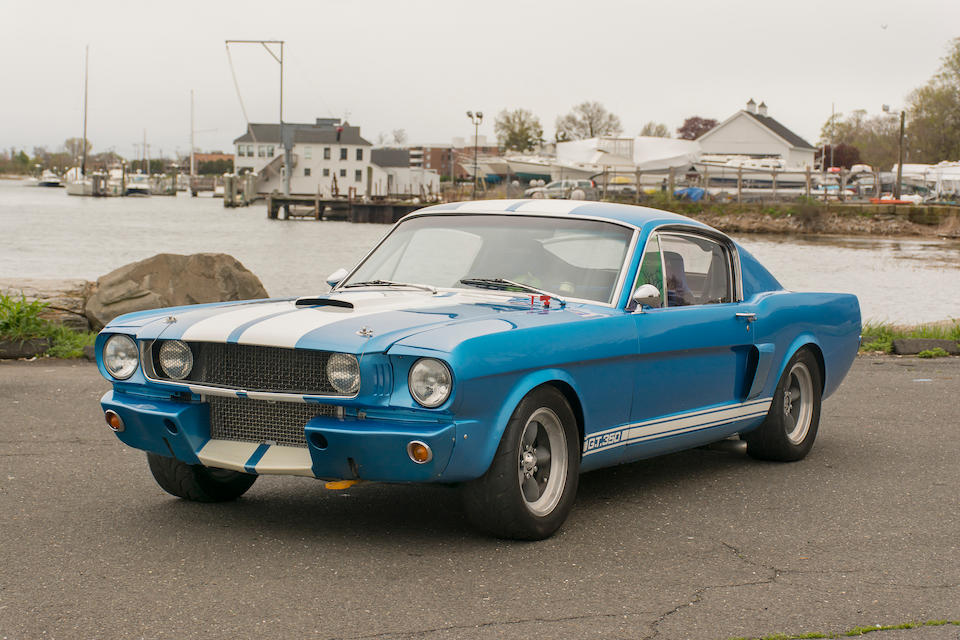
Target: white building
751,132
328,157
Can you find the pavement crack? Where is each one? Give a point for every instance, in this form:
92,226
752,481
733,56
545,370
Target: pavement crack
482,625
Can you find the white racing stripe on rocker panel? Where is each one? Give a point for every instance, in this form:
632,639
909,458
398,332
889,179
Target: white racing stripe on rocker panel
227,454
673,425
218,327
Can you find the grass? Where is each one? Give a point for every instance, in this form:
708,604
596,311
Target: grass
20,321
858,631
936,352
880,336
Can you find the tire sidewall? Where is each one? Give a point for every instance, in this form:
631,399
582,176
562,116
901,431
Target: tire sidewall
770,441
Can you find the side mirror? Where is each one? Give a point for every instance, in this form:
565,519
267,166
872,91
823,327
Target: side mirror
336,277
646,295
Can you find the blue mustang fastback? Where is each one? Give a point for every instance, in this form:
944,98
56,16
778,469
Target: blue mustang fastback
504,346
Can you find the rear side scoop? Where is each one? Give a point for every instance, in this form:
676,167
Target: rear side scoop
323,302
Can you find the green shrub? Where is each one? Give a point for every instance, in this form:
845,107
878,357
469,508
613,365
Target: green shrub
19,319
936,352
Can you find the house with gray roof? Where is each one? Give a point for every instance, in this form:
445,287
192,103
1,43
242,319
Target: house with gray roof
752,132
329,157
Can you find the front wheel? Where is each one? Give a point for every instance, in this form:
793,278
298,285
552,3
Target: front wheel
196,482
529,489
788,432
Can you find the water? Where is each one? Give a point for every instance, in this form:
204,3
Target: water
46,234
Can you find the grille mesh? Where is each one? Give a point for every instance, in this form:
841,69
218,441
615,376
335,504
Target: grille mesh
255,368
259,421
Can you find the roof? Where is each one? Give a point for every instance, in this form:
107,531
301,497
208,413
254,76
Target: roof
303,134
623,213
780,130
388,157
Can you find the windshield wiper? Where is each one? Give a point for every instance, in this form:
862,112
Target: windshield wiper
502,284
390,283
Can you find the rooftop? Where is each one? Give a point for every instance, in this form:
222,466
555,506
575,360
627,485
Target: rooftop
324,131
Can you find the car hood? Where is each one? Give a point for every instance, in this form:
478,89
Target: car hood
352,321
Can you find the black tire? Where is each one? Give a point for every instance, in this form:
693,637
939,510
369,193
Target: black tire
790,428
196,482
518,498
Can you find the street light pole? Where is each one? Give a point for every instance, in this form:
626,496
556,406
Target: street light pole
475,119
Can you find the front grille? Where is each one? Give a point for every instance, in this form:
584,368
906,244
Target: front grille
262,421
255,368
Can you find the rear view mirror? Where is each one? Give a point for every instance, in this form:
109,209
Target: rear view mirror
646,295
336,277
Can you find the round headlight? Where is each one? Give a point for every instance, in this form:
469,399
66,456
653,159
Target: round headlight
120,356
176,359
430,382
343,372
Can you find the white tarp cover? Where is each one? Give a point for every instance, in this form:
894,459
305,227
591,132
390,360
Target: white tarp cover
643,153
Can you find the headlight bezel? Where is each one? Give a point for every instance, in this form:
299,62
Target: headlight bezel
425,400
126,371
175,344
331,369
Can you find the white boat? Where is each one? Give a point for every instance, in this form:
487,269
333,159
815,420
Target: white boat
49,179
755,173
77,183
137,185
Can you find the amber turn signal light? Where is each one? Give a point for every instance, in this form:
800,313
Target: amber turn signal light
114,421
419,452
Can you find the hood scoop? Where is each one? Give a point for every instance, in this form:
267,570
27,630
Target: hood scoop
323,302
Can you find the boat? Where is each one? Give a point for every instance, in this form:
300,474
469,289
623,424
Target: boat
49,179
138,185
78,184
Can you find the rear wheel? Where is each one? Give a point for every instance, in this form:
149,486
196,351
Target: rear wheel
791,426
196,482
529,489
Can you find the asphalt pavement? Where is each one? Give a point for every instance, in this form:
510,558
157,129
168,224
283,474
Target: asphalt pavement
705,544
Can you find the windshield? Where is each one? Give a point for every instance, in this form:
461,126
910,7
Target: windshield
569,257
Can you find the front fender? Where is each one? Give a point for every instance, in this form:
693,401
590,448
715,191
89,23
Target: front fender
477,441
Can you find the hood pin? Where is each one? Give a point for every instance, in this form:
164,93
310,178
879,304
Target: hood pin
366,332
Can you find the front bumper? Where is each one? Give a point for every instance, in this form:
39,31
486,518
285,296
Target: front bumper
337,448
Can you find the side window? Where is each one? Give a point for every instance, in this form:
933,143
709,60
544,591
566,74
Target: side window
651,269
696,270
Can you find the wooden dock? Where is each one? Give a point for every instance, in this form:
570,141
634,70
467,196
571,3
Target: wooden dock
281,207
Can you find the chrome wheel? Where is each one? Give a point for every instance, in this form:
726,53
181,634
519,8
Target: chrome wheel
542,461
798,403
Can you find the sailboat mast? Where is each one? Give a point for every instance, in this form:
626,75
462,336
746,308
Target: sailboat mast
83,140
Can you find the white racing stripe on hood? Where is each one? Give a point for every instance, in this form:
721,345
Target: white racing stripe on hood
218,327
287,330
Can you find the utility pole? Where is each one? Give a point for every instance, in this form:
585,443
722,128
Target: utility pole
896,187
287,144
192,165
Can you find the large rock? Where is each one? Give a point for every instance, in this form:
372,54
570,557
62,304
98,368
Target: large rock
167,280
64,298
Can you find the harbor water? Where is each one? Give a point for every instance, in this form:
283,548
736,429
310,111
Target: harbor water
46,234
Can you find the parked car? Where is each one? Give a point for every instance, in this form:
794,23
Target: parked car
503,346
568,189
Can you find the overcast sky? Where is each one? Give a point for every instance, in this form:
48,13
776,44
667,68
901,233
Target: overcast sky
419,65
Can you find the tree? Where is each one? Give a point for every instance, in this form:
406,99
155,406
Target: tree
518,130
655,129
875,137
694,127
587,120
842,155
934,113
75,146
399,137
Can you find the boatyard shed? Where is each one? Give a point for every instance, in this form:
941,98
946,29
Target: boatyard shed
751,132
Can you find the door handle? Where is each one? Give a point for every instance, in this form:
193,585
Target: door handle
749,317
